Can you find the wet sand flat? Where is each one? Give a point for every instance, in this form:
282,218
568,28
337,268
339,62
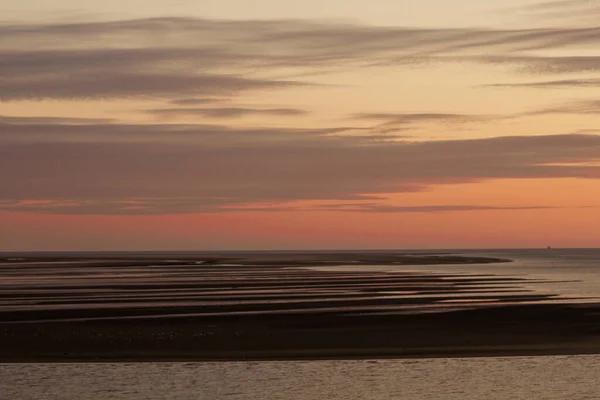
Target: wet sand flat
235,306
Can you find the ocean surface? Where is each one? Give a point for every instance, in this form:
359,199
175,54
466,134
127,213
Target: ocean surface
514,378
557,275
572,274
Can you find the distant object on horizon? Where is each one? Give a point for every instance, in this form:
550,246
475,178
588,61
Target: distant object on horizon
549,247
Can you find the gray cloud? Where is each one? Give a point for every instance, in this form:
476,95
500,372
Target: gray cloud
410,118
182,206
52,120
225,112
194,101
213,135
62,206
391,124
123,84
216,167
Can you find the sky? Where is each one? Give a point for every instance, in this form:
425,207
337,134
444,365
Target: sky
322,124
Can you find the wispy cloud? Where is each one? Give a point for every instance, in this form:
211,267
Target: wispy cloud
187,57
44,121
582,107
553,84
566,9
562,4
536,65
414,118
194,101
224,112
394,124
113,84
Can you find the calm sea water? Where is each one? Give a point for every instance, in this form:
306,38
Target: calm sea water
567,272
544,378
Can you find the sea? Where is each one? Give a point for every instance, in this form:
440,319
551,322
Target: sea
571,275
543,378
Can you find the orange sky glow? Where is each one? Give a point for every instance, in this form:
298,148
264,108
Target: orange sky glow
217,127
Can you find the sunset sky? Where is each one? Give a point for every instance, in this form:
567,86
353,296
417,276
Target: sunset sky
316,124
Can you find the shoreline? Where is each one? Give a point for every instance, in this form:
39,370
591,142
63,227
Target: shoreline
364,356
275,259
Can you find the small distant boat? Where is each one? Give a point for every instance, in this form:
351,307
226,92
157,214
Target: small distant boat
549,247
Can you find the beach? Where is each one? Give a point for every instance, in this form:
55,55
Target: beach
278,306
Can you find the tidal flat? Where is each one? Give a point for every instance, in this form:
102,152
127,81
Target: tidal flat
278,306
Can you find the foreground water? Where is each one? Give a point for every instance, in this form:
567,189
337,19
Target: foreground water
548,378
